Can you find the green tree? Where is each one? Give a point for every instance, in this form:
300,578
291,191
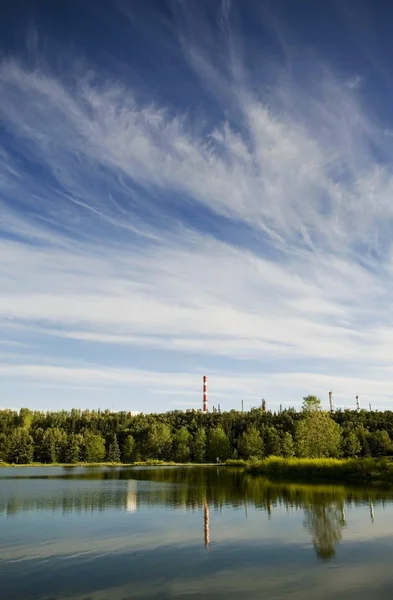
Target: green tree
4,447
114,451
164,435
351,445
94,447
53,445
181,445
199,446
21,448
218,445
159,439
363,436
272,442
380,443
287,445
317,435
311,404
250,444
73,451
25,418
129,449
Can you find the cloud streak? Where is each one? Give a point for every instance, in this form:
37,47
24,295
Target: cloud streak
262,235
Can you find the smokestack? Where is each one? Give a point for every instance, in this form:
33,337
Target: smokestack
205,406
357,403
331,401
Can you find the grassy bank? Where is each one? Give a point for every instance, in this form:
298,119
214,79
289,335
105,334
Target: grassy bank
322,469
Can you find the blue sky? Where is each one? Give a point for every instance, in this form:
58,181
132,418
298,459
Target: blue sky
192,188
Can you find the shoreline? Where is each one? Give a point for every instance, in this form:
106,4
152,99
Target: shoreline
150,463
302,470
348,470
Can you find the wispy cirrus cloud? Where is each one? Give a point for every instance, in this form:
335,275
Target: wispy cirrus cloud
260,233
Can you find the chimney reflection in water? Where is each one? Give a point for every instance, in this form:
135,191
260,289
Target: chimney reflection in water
206,518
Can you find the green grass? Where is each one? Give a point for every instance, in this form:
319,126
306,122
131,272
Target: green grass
314,469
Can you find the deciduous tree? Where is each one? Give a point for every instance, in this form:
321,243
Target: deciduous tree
128,453
21,448
159,440
94,447
380,443
199,446
218,445
181,445
317,435
251,444
287,445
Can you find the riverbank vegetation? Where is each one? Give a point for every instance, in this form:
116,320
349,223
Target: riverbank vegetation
318,469
73,437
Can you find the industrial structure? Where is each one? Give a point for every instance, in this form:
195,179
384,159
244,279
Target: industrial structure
205,404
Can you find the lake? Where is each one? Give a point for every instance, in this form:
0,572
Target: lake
119,533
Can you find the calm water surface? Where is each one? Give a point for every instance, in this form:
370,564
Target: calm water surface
81,534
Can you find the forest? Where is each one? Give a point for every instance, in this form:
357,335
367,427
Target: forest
94,436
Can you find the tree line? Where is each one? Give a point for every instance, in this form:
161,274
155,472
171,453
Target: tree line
96,436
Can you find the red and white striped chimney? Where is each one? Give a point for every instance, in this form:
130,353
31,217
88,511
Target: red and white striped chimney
205,407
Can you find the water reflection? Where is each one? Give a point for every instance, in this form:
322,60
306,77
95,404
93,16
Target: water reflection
325,522
189,489
372,511
206,523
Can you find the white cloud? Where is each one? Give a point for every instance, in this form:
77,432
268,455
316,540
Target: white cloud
283,387
355,81
104,254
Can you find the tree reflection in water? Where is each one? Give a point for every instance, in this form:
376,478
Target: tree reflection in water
202,489
325,521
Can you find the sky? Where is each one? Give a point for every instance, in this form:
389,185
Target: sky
194,188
